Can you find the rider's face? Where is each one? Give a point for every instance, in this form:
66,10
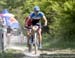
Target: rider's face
36,12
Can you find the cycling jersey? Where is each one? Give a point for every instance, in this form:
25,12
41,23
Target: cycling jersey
28,21
36,17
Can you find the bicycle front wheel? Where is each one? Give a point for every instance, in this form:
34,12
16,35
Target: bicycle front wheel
35,42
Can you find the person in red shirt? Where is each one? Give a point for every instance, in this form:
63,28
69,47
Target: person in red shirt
27,25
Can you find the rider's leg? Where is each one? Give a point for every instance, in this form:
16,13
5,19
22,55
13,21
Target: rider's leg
28,37
40,38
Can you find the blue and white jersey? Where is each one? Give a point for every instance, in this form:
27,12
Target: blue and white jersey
36,17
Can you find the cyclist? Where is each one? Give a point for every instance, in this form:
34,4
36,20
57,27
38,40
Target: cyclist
35,18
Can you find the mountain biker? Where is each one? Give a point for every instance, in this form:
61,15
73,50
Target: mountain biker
35,17
6,17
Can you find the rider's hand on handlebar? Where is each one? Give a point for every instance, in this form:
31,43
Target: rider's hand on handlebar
26,25
45,25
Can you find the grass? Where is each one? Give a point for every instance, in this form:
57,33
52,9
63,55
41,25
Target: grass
11,54
58,43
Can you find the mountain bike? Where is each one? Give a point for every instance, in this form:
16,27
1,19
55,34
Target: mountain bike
33,41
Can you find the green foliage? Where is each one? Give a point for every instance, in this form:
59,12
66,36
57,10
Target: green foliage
60,16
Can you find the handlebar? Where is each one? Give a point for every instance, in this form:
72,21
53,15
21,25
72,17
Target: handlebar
29,27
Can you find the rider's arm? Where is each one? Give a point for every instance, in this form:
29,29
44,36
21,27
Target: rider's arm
26,21
45,24
44,18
